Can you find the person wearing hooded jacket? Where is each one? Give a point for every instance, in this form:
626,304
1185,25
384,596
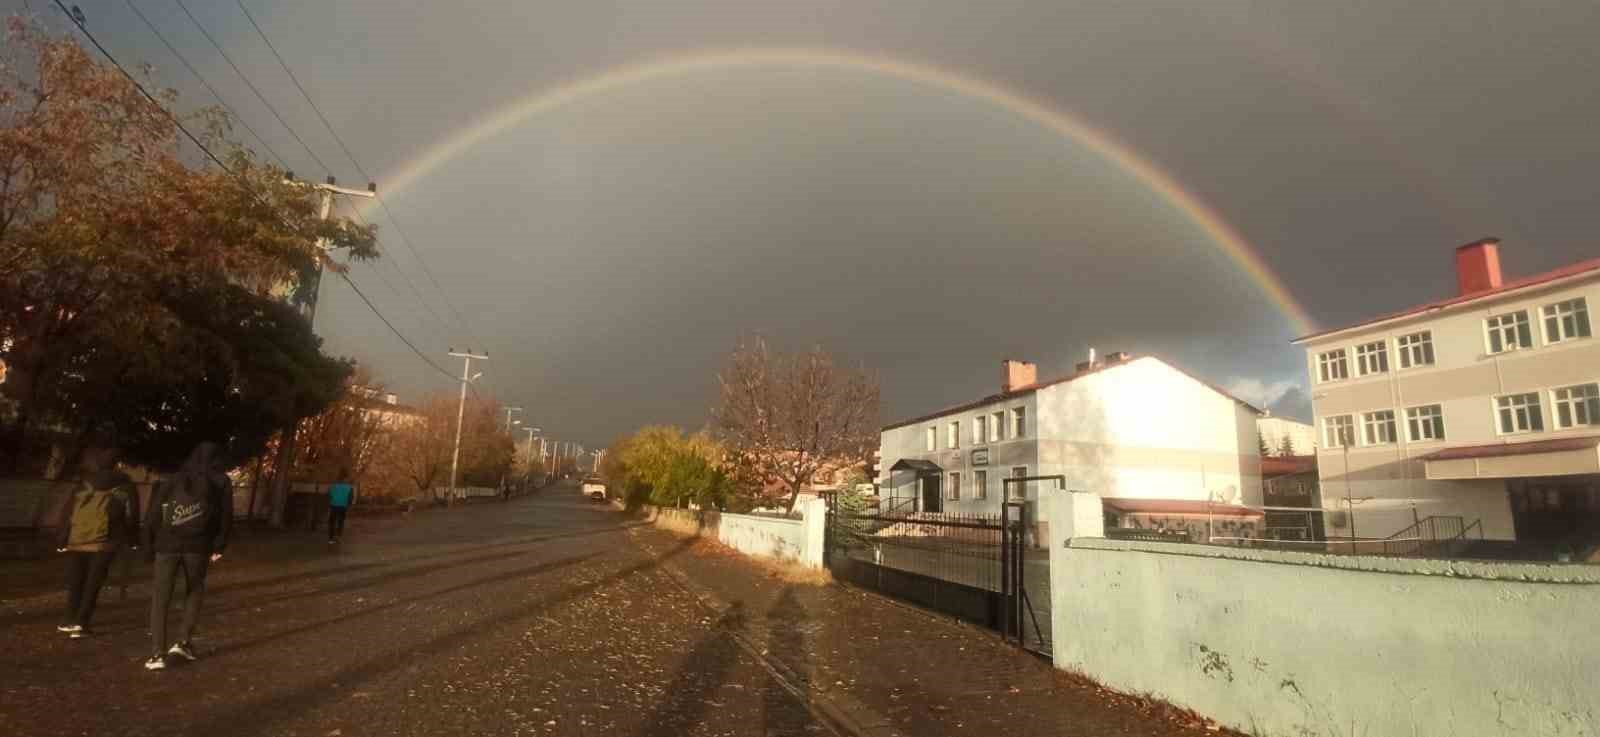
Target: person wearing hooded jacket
101,518
191,513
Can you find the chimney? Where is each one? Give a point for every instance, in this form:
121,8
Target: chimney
1478,266
1017,374
391,398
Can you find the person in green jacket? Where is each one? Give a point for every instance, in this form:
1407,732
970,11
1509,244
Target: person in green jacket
102,517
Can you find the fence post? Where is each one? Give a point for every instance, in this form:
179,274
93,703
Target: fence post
814,532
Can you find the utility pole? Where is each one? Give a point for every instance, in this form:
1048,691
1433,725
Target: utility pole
467,377
531,432
284,464
509,410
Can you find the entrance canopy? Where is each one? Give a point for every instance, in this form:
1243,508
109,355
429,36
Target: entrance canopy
1559,457
920,467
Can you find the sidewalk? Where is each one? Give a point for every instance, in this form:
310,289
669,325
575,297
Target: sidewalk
877,668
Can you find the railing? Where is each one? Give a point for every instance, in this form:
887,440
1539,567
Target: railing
1427,536
1140,533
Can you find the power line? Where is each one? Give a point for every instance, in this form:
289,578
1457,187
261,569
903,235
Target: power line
82,28
207,85
325,168
356,211
362,171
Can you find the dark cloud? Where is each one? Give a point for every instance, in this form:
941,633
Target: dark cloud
610,252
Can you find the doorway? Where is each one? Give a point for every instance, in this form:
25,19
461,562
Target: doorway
932,496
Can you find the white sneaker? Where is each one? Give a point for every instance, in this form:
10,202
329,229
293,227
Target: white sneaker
183,650
78,634
69,628
156,662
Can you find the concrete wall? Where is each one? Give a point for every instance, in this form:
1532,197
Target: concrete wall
795,540
1307,645
1464,381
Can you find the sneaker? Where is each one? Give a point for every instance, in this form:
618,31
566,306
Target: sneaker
183,650
156,662
78,634
69,628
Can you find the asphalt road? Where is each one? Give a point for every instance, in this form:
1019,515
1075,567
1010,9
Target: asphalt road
538,616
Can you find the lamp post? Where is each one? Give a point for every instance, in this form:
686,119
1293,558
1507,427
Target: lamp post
467,377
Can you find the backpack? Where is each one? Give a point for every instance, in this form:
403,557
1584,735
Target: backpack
187,514
96,514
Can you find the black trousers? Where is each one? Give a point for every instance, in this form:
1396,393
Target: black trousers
194,578
336,522
86,574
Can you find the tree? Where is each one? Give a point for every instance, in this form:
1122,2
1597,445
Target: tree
662,465
350,434
109,233
786,416
420,451
1286,446
1261,443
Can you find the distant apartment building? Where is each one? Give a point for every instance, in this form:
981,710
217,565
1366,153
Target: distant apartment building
1301,436
1138,431
1483,406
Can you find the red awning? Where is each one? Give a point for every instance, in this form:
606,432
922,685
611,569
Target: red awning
1493,450
1180,506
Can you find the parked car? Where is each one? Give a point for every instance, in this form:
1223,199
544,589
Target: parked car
594,489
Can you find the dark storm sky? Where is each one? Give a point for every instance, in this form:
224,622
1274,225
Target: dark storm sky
608,252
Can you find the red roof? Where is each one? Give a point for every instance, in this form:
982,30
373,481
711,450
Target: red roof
1180,506
1493,450
1570,270
1275,466
1031,388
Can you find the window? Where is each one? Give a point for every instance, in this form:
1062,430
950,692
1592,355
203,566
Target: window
1509,332
1425,423
1338,431
1416,349
953,435
1519,413
999,429
1566,320
1019,491
1377,428
980,484
1333,366
953,491
933,438
979,430
1019,422
1372,358
1577,406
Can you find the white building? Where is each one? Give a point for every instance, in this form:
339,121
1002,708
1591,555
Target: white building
1127,429
1484,407
1302,436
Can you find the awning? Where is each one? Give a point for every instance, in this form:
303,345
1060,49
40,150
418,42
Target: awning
1196,507
921,467
1558,457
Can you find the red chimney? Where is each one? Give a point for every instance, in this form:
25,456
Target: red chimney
1478,266
1017,374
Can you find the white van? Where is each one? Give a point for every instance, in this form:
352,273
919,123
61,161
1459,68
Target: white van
594,489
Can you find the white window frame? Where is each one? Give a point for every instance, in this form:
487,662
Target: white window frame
998,425
1512,324
1022,492
1586,404
1433,421
1019,422
1413,346
1533,414
1577,310
953,493
1373,352
980,483
1326,360
952,438
1328,439
932,443
980,430
1373,420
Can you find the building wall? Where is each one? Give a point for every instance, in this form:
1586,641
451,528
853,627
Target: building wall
1146,430
794,540
1277,643
1464,381
909,442
1274,429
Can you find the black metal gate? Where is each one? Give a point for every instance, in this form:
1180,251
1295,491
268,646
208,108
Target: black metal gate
970,566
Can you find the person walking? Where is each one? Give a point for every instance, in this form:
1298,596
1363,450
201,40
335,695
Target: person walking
102,517
192,512
341,495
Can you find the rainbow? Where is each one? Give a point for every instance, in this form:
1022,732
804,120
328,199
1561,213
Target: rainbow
1154,178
